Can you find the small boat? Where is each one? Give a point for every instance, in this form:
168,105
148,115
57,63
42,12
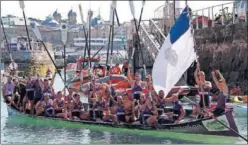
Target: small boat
204,126
240,99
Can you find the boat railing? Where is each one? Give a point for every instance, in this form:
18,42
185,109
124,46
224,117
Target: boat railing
217,15
148,41
156,32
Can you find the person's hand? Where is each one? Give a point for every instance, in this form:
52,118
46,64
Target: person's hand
217,71
180,91
213,73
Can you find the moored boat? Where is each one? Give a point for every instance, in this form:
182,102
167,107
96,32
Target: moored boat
28,59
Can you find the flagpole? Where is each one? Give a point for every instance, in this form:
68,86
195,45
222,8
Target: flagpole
112,39
22,6
174,11
85,34
110,31
89,37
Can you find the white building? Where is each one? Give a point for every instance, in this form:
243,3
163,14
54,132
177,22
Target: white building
13,20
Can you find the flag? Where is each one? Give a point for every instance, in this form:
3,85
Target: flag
132,7
175,56
81,13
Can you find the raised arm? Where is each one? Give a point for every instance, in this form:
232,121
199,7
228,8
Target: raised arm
221,76
196,73
214,78
174,95
41,84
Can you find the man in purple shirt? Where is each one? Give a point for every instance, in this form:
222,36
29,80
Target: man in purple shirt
8,91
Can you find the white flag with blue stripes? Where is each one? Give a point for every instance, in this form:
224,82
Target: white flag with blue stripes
175,56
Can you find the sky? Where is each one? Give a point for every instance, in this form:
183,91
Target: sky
41,9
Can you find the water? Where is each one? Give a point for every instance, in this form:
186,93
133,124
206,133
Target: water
15,131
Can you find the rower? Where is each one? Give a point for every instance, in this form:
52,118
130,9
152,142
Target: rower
45,107
30,89
60,106
8,91
125,68
178,111
204,88
221,85
150,114
45,88
107,104
136,88
78,108
120,111
19,93
160,102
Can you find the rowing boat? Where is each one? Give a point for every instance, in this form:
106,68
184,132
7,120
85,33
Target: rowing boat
204,126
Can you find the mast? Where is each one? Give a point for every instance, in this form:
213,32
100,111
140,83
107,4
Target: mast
64,40
90,13
85,34
112,38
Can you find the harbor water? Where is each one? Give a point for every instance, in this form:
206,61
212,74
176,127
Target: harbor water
15,131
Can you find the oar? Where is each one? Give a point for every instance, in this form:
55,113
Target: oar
220,121
22,6
137,32
11,59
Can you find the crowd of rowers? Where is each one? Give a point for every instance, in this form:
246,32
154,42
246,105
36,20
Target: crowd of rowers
36,96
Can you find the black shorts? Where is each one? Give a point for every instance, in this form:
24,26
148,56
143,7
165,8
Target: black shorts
98,114
218,111
31,95
76,113
136,96
206,100
50,113
36,100
121,117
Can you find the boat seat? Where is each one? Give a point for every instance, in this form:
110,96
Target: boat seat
94,112
145,116
160,111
